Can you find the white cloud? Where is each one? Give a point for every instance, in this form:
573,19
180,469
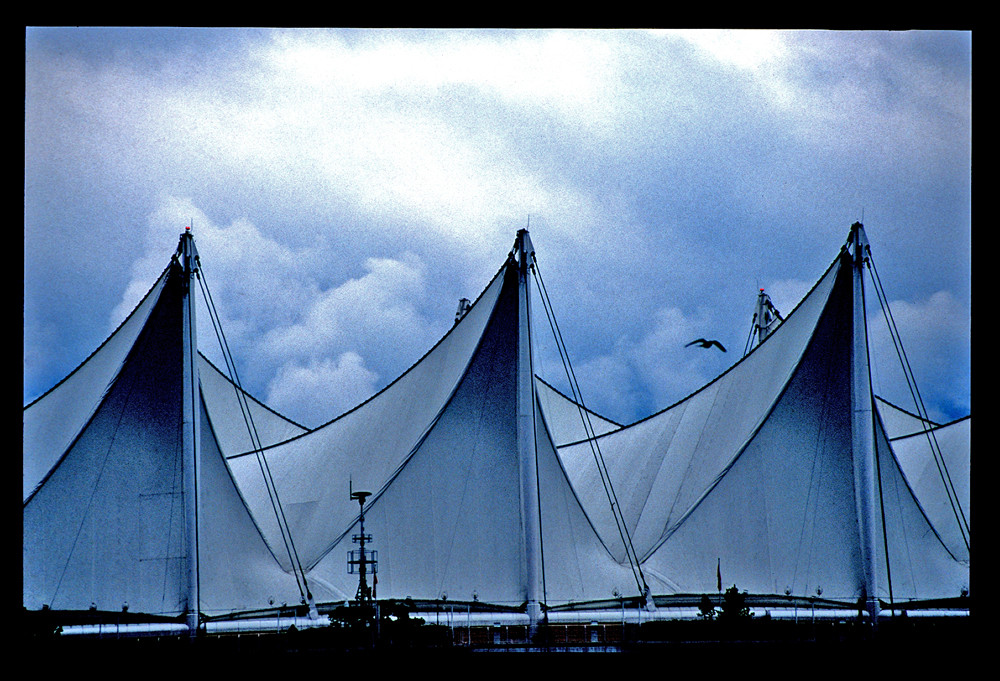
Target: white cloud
320,390
567,70
254,279
393,125
935,336
746,49
375,315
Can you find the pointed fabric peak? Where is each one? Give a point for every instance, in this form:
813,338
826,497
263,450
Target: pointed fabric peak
857,239
367,444
523,246
446,524
797,530
662,465
449,522
106,527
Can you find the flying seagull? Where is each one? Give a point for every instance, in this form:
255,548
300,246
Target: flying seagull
705,343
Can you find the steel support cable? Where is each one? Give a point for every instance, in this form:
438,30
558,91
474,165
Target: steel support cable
244,408
897,343
885,531
939,461
878,464
605,477
255,441
922,410
591,436
269,485
590,433
753,325
911,383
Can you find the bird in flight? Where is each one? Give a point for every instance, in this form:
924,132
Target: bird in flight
706,343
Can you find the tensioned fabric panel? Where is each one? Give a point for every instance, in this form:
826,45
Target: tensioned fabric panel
921,562
231,428
660,466
449,521
363,447
50,423
237,570
107,525
782,517
916,460
576,563
898,422
797,529
562,414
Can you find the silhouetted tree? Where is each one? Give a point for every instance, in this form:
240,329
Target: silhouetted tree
734,607
707,609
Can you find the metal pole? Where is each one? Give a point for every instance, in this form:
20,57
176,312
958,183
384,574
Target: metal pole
863,429
364,591
761,317
527,455
189,428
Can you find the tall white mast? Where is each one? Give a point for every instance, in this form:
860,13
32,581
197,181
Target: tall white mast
190,429
863,428
527,454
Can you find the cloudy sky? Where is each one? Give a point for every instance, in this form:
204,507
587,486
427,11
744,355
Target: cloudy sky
347,187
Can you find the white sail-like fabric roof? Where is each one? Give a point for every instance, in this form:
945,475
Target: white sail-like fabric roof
750,479
899,422
438,450
928,476
235,414
752,476
51,422
104,526
362,448
565,418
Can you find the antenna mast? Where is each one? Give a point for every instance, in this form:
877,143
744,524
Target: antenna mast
363,559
